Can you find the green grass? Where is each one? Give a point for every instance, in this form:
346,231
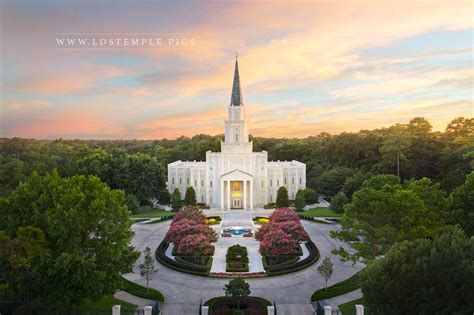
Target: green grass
106,303
348,308
339,288
155,213
320,212
138,290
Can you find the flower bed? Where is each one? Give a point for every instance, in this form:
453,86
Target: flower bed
238,274
237,259
282,269
213,220
182,266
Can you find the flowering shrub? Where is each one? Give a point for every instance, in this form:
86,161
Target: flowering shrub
178,230
295,229
247,235
194,245
189,233
238,274
211,221
277,242
226,235
192,213
284,215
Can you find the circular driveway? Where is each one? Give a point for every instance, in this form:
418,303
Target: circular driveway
295,288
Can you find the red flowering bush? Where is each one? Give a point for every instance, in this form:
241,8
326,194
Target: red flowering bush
188,229
195,245
178,230
277,242
284,215
191,213
295,229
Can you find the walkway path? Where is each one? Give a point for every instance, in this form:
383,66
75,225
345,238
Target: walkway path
138,301
296,288
341,299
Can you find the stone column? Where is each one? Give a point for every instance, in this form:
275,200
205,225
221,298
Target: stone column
359,309
116,310
251,194
228,194
271,310
222,194
245,195
205,310
327,310
148,310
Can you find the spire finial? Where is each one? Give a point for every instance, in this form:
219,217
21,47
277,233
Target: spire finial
236,96
236,55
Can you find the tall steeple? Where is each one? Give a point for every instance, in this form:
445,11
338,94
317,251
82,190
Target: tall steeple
236,97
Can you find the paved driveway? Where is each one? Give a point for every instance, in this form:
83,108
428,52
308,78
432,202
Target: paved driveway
185,291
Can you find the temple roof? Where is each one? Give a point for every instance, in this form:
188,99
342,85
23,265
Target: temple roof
236,97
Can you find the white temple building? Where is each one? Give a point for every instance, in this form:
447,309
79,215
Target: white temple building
236,177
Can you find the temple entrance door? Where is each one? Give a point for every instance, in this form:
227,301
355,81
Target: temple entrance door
236,194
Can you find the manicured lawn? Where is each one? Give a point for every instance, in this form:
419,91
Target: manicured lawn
155,213
349,307
106,303
138,290
320,212
339,288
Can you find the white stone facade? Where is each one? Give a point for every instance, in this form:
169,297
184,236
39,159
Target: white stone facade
236,177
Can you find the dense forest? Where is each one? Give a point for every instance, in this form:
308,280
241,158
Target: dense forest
334,162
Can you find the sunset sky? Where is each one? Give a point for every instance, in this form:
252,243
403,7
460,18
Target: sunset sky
305,67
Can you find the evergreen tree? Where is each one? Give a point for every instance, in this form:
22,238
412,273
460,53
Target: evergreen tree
338,202
282,200
190,197
300,200
176,200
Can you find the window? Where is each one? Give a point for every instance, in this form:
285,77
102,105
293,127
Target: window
187,180
293,196
195,183
284,180
263,184
172,180
210,184
301,181
278,183
292,180
202,182
271,183
271,198
180,180
202,198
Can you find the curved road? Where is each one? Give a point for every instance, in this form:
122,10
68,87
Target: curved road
184,292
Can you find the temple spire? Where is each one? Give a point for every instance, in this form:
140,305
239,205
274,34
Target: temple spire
236,97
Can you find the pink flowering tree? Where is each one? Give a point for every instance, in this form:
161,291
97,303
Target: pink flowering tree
185,227
276,243
284,215
295,229
192,213
194,245
263,230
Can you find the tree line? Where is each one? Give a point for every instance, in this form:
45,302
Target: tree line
334,162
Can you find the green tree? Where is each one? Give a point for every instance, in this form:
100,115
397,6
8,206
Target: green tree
87,229
300,200
382,217
190,197
282,200
379,181
423,276
395,145
338,202
326,269
164,197
331,181
238,289
430,192
132,203
310,196
462,208
147,269
176,200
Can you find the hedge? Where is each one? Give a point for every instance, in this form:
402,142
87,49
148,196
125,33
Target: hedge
166,261
292,260
242,261
214,300
282,269
174,252
183,260
343,287
140,291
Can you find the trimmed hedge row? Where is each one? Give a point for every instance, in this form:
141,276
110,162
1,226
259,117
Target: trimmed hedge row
197,270
140,291
182,259
267,265
282,269
237,255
